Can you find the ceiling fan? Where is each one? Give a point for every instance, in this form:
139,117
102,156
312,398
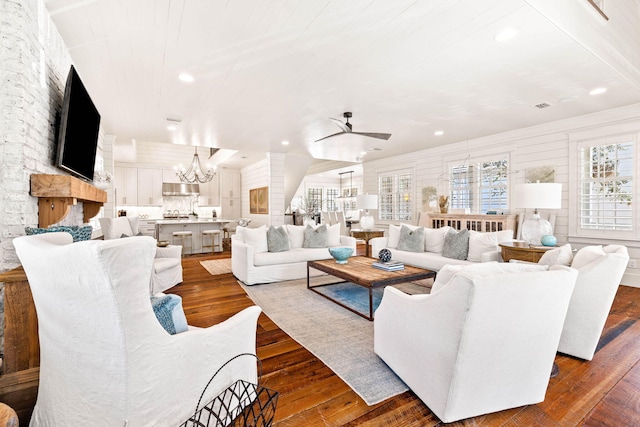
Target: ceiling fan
348,128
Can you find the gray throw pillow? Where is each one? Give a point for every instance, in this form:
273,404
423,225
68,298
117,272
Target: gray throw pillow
315,238
456,244
411,240
277,239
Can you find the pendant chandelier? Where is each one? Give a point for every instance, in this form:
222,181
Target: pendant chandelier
195,173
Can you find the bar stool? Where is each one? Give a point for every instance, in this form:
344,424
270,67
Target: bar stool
216,235
182,235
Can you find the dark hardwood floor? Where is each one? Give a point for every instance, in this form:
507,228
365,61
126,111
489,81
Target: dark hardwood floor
603,392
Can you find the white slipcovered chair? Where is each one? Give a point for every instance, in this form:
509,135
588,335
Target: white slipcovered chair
600,270
104,357
483,341
167,265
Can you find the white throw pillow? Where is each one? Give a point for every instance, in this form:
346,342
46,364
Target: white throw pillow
504,236
296,235
394,236
434,239
558,256
333,235
587,255
256,237
480,243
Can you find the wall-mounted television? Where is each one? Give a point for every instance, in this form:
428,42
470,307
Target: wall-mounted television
79,128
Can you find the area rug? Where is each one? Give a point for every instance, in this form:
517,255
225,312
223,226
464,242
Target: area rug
217,266
338,337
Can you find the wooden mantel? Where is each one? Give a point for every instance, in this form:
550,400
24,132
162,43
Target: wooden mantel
57,193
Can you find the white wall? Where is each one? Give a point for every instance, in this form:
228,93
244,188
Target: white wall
537,146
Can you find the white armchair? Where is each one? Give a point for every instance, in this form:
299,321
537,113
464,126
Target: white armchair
167,265
483,342
600,270
104,357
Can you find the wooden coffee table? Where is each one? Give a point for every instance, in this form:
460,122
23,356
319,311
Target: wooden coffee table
360,271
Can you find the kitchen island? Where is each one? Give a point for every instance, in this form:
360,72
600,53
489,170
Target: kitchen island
165,228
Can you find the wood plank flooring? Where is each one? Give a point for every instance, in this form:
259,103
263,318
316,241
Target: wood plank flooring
603,392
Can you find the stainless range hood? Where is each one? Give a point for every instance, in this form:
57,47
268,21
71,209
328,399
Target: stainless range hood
181,189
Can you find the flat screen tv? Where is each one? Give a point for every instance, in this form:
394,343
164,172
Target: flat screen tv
79,127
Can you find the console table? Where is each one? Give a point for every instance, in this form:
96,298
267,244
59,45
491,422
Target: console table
477,222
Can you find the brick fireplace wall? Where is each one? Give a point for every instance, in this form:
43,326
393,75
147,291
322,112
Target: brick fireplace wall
34,63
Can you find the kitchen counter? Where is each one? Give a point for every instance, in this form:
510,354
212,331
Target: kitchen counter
165,228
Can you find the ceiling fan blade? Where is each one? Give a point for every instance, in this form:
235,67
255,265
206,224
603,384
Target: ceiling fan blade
384,136
341,125
330,136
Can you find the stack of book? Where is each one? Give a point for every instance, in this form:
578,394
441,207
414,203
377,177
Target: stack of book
389,265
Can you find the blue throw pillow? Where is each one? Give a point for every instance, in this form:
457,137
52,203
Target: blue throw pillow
78,233
168,311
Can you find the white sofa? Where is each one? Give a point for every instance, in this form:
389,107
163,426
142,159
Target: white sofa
483,247
252,263
487,336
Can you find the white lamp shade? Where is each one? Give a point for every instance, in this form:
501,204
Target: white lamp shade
539,196
367,201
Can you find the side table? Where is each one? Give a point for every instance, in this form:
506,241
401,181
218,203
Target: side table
366,235
522,251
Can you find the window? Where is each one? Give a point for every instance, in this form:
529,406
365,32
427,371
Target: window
394,196
314,199
606,186
332,194
480,187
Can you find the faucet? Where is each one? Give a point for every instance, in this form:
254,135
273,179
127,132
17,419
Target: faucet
176,213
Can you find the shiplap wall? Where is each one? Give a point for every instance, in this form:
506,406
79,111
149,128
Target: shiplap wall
537,146
268,172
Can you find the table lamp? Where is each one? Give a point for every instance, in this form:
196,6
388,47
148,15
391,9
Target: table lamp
537,196
366,202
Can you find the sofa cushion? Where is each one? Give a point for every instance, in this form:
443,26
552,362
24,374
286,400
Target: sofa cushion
427,260
456,244
296,236
587,255
290,256
434,239
315,237
277,239
411,240
168,311
557,256
256,237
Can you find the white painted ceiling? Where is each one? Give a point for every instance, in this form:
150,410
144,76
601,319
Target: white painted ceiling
268,71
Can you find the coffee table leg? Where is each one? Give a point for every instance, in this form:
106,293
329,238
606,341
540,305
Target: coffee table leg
370,303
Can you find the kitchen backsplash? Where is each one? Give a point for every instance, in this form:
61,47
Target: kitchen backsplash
182,204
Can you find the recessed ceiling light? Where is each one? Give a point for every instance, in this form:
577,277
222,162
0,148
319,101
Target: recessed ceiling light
172,127
506,34
438,133
285,142
598,91
185,77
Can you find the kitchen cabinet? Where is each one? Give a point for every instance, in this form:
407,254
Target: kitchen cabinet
210,192
126,185
230,184
169,175
147,227
230,194
150,187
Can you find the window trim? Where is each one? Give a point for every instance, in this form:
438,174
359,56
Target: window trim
490,157
575,230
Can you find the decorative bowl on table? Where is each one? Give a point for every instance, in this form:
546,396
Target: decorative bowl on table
341,253
162,243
